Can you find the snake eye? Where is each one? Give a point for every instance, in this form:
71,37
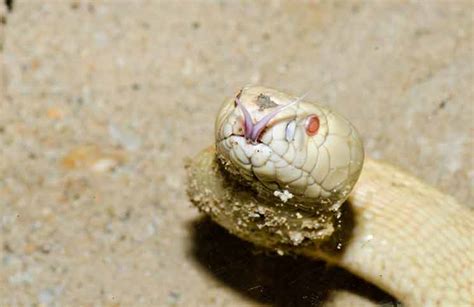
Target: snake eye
312,125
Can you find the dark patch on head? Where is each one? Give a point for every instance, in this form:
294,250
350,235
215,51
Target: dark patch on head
195,25
9,5
264,102
442,104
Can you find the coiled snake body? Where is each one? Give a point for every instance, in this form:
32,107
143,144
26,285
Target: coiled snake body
279,174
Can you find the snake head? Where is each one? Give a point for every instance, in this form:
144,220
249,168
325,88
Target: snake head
287,146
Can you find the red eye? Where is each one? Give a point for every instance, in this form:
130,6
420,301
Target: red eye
312,125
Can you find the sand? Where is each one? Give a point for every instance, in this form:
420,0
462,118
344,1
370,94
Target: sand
101,103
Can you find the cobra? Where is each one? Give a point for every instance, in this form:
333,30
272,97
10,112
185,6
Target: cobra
279,174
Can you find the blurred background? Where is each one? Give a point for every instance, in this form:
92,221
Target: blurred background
101,103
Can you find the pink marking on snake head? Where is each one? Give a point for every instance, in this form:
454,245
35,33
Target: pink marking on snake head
254,130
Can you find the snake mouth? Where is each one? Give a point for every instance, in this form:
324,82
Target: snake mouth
248,140
244,155
238,148
251,141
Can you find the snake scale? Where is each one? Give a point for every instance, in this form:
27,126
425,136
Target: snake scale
291,176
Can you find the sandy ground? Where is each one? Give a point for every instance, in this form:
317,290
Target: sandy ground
102,102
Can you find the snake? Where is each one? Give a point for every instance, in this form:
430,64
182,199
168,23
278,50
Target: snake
291,176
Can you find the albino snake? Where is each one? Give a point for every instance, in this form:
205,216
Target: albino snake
278,177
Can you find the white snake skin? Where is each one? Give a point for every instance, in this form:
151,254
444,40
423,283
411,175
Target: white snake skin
318,167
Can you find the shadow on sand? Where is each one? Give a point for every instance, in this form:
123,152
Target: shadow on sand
269,278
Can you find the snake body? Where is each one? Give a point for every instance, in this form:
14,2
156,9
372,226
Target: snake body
394,231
